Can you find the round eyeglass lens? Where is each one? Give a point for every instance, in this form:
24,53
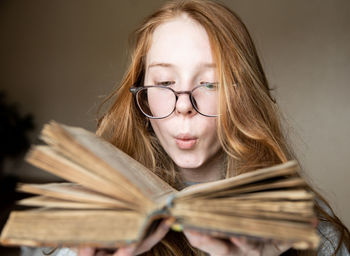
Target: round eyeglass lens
156,102
205,99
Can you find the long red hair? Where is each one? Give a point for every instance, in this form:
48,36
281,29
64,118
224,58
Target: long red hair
248,127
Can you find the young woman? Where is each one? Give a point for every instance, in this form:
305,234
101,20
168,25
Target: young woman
195,106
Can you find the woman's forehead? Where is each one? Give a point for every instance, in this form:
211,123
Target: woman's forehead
180,42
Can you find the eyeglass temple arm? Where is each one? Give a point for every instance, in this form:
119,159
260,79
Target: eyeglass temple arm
134,89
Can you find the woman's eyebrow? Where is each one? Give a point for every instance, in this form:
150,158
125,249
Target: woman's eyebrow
160,64
169,65
208,65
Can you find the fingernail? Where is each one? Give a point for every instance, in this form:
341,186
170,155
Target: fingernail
177,227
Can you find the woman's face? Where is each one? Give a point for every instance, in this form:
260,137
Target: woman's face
180,55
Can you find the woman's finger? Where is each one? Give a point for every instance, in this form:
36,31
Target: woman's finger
208,244
276,248
125,251
248,246
252,247
155,237
86,251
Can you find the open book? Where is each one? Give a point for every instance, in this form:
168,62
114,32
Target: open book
112,200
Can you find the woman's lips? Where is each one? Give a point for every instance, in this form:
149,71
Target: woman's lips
185,141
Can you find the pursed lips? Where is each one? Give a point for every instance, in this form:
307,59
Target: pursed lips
186,141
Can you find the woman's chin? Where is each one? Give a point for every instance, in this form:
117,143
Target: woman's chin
188,163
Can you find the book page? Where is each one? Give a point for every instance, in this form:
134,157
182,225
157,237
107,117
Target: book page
283,170
56,228
50,202
289,183
300,235
95,153
72,192
48,159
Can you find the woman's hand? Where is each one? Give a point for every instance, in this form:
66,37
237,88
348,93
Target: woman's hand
131,250
238,246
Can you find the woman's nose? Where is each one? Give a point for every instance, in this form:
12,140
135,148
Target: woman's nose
184,105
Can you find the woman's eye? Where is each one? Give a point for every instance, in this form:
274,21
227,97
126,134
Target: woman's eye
209,85
165,83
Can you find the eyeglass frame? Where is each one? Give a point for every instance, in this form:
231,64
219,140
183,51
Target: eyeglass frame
136,89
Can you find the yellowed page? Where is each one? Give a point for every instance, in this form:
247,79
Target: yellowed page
102,157
287,169
48,159
98,228
72,192
49,202
297,233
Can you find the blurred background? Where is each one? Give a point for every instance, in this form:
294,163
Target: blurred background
59,59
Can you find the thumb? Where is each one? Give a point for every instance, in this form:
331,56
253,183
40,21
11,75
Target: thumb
86,251
125,251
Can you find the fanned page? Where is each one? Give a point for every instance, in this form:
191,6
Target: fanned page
105,160
289,168
51,202
112,200
50,160
270,203
72,192
299,235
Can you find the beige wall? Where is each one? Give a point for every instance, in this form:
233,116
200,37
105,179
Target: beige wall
59,57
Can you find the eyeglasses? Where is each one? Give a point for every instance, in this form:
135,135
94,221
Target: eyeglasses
160,101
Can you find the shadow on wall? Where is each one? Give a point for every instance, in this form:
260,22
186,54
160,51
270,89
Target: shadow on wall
14,132
14,138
